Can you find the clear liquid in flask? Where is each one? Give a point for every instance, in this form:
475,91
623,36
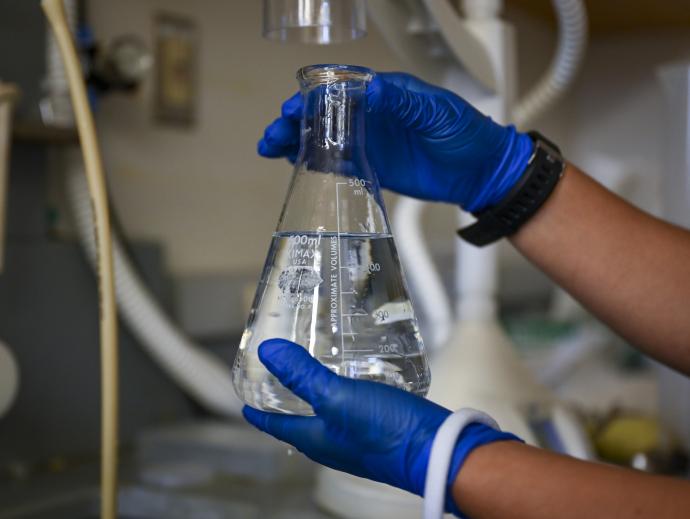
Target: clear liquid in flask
341,296
332,281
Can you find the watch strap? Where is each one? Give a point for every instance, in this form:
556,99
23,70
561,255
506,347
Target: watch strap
544,169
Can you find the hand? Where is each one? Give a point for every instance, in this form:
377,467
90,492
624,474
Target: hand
365,428
424,141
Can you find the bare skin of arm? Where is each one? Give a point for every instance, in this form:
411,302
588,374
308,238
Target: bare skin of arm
512,480
627,267
633,272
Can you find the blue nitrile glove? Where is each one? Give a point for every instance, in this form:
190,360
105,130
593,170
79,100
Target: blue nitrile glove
365,428
424,141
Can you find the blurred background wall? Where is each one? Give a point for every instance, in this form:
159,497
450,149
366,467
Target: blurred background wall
216,201
205,195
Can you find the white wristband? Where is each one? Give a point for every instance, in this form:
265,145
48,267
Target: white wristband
441,453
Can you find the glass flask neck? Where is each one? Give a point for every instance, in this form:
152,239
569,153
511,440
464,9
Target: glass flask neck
333,188
332,137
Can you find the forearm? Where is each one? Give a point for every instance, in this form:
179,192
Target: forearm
630,269
514,480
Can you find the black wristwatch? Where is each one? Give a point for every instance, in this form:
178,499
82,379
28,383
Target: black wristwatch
544,169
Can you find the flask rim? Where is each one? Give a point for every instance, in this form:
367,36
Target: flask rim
329,73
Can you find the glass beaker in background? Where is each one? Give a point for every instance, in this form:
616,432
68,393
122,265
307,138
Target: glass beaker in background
332,281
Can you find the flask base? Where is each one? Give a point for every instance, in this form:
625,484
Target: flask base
263,391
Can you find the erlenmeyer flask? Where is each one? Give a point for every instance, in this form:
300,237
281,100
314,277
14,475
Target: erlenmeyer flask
332,281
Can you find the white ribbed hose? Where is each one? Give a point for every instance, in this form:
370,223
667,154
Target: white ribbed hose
426,282
56,107
206,378
572,41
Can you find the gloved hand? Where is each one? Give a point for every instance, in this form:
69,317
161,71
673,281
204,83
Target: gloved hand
365,428
424,141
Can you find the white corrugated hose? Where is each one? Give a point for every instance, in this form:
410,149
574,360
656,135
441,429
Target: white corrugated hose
426,282
206,378
572,42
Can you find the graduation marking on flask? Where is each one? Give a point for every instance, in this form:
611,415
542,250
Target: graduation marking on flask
358,188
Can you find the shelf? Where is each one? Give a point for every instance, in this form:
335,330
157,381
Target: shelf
614,16
38,133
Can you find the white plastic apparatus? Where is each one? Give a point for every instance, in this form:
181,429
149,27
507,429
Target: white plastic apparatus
9,379
9,372
8,96
474,363
674,388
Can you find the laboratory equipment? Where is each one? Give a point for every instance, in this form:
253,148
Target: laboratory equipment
9,379
332,281
674,78
477,348
56,106
314,21
8,366
55,13
205,377
8,96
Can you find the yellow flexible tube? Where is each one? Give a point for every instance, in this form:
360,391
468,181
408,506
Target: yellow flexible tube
55,13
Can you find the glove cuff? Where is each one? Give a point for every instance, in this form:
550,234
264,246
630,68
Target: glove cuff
473,436
502,175
459,434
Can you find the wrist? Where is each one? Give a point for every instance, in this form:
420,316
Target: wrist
472,437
